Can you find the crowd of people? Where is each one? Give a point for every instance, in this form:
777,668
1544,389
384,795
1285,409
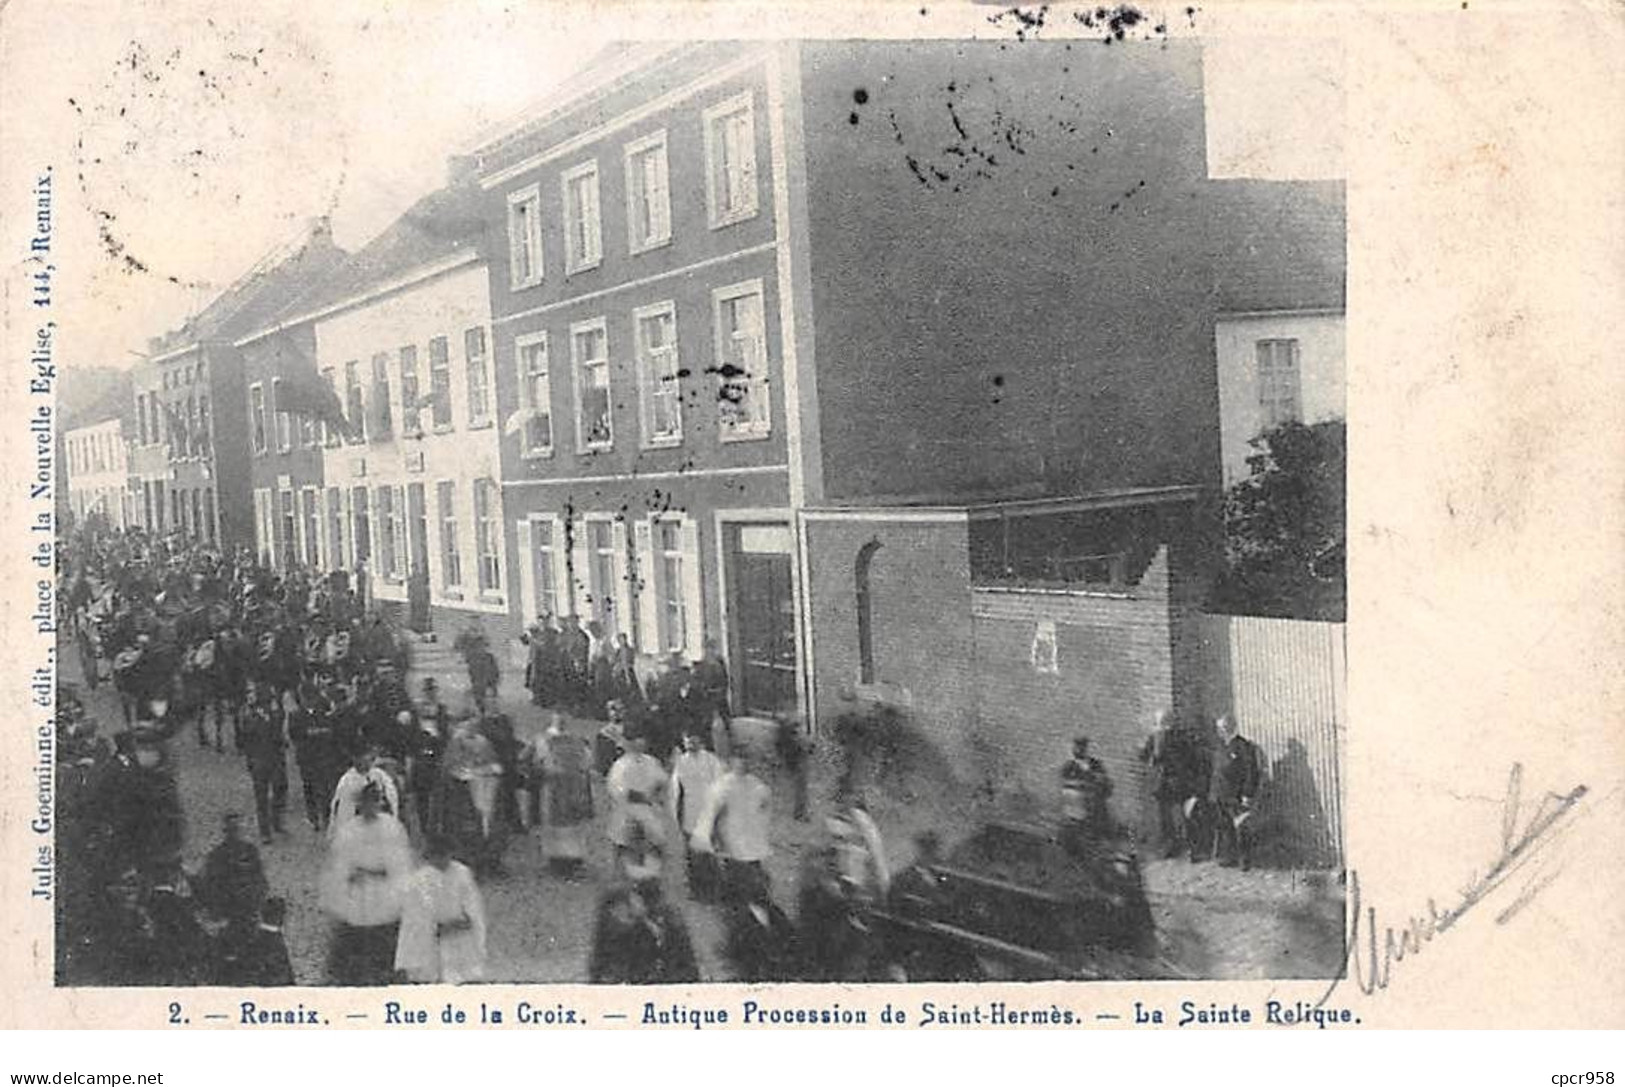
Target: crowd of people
414,805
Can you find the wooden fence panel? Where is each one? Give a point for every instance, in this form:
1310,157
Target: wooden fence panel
1283,680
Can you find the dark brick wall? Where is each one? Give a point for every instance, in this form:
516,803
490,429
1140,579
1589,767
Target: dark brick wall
1115,670
263,360
631,277
923,648
1038,324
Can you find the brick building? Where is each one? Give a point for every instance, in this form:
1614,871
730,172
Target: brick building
782,329
189,464
397,484
284,446
639,305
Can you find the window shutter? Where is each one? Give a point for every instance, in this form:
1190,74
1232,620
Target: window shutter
298,527
324,561
563,591
516,243
622,613
346,512
747,159
580,586
259,523
693,597
526,561
648,636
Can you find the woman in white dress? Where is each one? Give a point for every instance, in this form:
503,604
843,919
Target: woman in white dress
361,889
442,920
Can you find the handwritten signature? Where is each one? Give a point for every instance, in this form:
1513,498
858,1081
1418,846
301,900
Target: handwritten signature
1371,958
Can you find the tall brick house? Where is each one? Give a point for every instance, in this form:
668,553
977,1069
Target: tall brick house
285,446
888,365
397,484
639,299
190,455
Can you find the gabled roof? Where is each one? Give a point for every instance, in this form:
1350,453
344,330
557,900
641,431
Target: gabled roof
260,292
1279,245
441,225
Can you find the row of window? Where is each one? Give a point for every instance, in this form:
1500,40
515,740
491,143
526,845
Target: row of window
642,584
730,189
387,527
370,402
183,425
173,379
741,369
89,453
187,510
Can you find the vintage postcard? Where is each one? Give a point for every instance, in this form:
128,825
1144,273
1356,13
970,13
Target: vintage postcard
880,515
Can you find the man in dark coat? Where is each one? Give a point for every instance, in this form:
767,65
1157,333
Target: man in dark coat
1237,776
498,730
317,751
181,947
1173,777
143,807
232,884
265,746
577,646
710,682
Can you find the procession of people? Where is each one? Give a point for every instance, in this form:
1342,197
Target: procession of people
414,803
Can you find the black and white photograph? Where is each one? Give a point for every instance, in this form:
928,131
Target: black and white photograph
548,502
803,511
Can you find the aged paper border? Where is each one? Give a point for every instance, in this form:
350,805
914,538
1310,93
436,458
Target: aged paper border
1485,180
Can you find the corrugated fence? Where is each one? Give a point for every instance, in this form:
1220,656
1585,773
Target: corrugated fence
1284,680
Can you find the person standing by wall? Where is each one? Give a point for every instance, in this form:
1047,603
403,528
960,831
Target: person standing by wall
1238,774
1085,791
1173,777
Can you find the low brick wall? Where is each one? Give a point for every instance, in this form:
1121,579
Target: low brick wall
1112,669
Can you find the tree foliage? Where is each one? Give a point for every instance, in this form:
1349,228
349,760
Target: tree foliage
1285,526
